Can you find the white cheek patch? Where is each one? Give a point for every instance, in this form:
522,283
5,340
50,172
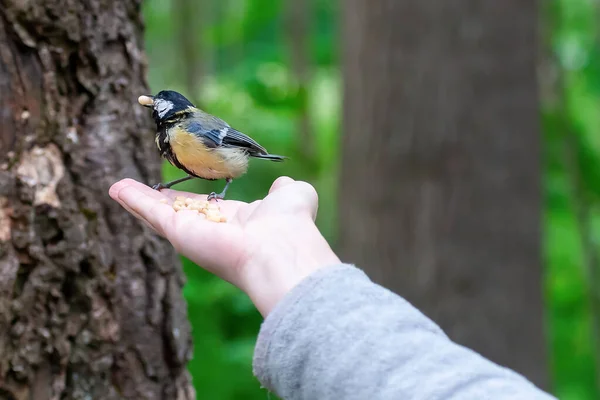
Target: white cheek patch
162,107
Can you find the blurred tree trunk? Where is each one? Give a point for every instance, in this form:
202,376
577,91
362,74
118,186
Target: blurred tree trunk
90,300
441,184
189,22
297,24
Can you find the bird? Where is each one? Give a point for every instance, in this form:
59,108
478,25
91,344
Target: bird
200,144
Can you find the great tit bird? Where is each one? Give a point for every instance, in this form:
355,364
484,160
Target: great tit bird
198,143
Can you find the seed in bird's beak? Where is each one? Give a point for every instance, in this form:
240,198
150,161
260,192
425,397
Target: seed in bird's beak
146,101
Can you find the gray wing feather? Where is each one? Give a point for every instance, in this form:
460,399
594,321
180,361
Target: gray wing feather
236,138
216,132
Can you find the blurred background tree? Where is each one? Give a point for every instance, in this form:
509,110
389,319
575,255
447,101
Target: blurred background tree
272,69
441,167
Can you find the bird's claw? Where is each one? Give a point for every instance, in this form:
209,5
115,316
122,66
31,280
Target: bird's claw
158,186
214,196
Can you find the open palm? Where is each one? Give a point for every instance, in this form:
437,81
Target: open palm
257,239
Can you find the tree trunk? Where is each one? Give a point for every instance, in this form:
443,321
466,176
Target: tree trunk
440,185
90,300
297,25
186,14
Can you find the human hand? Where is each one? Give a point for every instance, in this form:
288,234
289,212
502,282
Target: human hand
265,248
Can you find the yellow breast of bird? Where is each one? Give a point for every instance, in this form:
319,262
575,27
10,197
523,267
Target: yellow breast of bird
205,162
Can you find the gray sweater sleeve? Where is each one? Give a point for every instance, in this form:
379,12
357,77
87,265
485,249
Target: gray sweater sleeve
337,335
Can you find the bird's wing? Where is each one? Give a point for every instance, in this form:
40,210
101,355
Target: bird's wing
235,138
216,132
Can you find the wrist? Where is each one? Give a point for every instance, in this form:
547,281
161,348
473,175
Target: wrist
293,256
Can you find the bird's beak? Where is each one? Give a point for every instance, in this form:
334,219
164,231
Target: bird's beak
146,100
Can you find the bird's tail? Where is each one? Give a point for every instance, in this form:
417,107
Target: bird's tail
270,157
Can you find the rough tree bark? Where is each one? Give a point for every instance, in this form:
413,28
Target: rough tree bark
90,301
441,167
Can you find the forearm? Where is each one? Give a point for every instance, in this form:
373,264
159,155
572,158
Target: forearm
338,335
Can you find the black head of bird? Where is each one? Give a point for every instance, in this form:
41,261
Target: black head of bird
198,143
166,104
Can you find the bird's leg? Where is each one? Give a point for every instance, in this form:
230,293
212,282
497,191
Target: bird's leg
221,195
168,185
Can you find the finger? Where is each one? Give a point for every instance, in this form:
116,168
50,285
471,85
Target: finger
298,197
308,194
280,182
149,209
128,182
114,194
139,217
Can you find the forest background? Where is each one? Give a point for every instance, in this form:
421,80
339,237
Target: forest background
274,69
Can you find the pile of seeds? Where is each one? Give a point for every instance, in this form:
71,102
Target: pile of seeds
211,210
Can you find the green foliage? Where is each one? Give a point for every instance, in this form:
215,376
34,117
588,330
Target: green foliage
248,82
259,95
571,125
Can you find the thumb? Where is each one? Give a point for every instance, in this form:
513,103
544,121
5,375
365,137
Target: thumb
293,197
280,182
